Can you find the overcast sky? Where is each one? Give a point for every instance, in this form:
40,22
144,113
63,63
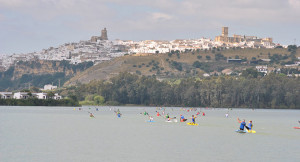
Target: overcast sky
32,25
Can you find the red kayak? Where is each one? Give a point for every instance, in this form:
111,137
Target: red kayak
183,120
297,127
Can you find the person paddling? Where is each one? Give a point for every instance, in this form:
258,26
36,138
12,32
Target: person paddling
243,124
150,118
91,115
182,118
157,114
193,119
250,125
168,117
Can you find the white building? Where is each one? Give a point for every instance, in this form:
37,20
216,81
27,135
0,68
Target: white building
21,95
45,96
49,87
57,97
6,95
41,95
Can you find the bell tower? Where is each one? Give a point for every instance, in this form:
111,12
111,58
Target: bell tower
104,34
225,31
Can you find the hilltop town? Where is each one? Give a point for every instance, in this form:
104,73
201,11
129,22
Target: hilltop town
99,48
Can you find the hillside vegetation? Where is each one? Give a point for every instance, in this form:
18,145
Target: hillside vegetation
187,64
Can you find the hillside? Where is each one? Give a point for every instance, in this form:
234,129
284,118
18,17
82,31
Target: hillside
186,64
38,73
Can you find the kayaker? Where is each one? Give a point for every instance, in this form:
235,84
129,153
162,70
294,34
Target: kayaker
157,114
145,113
193,119
243,124
91,115
250,125
226,115
181,118
168,117
150,118
119,114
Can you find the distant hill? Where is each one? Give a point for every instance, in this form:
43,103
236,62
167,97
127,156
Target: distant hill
186,64
38,73
171,65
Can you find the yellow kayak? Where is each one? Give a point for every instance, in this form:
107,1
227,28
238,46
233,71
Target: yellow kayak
251,131
192,124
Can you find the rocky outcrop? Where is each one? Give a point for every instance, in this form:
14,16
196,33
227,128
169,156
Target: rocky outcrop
41,67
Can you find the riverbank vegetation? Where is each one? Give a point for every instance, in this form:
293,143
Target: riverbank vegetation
251,89
72,101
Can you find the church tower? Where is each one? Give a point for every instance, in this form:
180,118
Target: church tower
225,31
104,34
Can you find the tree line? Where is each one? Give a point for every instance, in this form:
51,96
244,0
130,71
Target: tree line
72,101
249,90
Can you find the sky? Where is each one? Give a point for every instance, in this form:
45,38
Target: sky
32,25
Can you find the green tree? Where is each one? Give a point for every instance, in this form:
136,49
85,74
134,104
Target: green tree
99,100
50,94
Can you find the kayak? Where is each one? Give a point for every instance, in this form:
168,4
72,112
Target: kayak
241,131
150,121
296,127
183,120
169,121
251,131
192,124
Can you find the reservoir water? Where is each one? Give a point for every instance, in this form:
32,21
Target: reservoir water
57,134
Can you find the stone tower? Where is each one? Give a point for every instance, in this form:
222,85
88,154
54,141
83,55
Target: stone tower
104,34
225,31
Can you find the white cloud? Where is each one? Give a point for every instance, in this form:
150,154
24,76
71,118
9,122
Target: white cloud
160,16
253,10
144,16
295,4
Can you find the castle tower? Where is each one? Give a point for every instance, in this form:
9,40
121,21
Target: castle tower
104,34
225,31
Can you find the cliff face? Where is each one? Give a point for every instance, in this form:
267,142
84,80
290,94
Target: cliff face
44,67
39,73
40,67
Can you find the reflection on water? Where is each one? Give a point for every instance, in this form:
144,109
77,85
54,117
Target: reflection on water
65,134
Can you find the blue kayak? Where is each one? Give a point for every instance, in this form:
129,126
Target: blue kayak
241,131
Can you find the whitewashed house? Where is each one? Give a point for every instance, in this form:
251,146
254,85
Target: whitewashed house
45,96
41,95
21,95
6,95
57,97
49,87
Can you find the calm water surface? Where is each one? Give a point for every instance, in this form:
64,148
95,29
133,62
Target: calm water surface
64,134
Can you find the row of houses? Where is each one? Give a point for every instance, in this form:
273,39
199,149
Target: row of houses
25,95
